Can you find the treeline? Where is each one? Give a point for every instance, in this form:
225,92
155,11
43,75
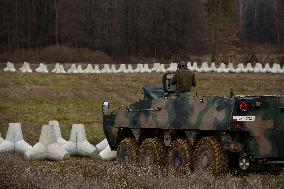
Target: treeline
162,29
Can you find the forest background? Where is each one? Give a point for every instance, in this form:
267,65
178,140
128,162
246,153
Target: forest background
132,31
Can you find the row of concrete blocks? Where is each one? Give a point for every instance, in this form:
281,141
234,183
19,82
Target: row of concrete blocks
157,67
241,68
51,145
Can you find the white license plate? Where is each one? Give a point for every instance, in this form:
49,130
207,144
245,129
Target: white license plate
244,118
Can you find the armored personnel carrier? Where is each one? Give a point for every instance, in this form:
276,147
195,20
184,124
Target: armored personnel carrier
205,133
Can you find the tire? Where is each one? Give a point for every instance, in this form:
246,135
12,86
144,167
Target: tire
209,157
152,152
128,151
180,155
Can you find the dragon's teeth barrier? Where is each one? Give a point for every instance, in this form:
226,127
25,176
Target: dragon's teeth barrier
52,146
59,138
14,140
47,148
107,154
78,143
155,68
99,147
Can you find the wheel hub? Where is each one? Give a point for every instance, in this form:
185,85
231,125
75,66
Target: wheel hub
177,160
125,156
204,161
148,158
244,163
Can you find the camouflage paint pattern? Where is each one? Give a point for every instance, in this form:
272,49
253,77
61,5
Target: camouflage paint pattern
212,113
180,112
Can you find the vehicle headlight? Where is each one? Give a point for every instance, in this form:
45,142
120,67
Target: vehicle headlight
105,107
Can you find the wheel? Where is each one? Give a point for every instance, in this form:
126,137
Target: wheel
128,151
209,157
180,154
152,152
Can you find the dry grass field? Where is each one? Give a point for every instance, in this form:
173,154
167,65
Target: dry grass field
34,99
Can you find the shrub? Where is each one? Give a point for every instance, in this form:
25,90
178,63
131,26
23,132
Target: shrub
60,54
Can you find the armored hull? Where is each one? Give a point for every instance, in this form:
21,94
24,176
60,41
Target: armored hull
239,130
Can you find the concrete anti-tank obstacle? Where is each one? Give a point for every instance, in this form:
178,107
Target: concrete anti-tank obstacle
60,140
113,69
23,67
78,144
156,66
222,68
26,68
249,67
7,69
62,70
45,70
79,69
10,67
258,68
204,67
267,68
14,140
122,69
47,148
275,68
42,68
280,70
99,147
130,69
89,69
241,68
194,67
169,69
231,68
172,67
97,69
189,65
143,69
57,68
107,154
213,67
162,68
146,69
139,68
72,69
105,69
